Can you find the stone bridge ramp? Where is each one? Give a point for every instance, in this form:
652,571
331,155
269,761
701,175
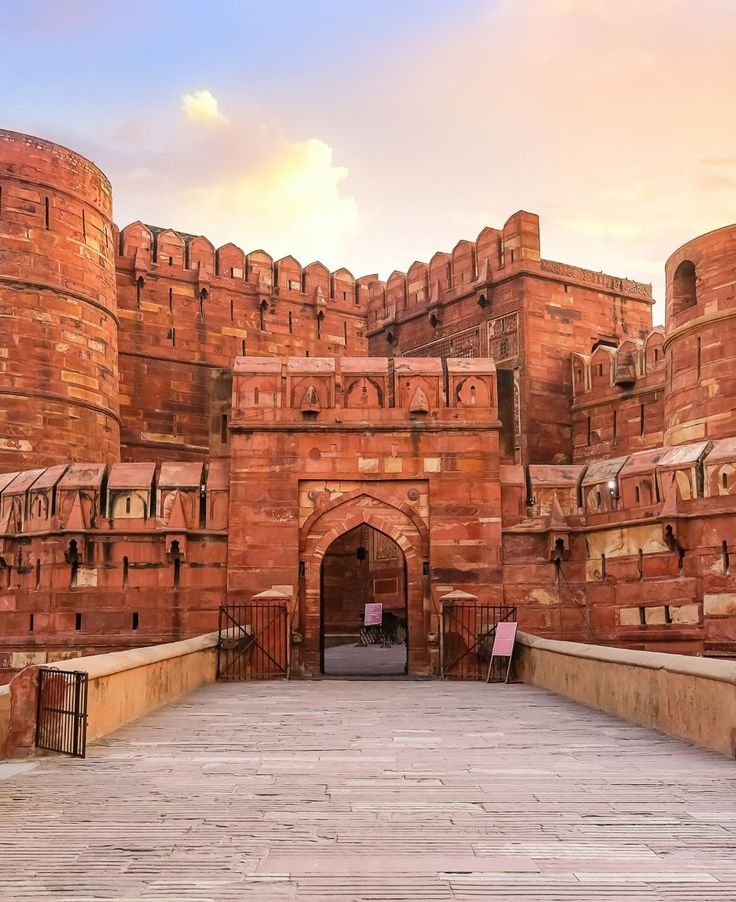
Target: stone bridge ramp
386,790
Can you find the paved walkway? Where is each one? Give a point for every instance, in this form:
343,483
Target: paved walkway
369,660
344,790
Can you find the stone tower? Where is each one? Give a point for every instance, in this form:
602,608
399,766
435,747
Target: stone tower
700,340
59,338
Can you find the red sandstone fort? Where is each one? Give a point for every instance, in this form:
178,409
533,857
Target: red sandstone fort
183,425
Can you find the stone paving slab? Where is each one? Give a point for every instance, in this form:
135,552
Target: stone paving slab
372,791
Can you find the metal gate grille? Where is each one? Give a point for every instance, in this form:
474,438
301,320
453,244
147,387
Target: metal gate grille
468,630
253,641
61,718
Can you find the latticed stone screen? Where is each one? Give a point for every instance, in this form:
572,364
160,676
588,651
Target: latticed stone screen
464,344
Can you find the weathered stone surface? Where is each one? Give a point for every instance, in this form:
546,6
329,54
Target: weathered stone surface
378,790
513,423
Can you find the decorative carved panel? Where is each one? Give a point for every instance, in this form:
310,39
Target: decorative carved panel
503,337
626,286
384,548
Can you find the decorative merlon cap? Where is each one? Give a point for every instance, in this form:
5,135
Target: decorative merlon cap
407,366
481,366
257,365
312,365
378,365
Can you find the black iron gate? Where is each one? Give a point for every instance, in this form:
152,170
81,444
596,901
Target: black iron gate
61,717
468,630
253,641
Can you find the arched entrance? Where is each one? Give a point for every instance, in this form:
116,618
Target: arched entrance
363,605
396,521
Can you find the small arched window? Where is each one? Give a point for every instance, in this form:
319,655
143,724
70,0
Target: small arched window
684,292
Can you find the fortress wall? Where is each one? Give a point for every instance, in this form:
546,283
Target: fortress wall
497,296
94,559
59,344
187,310
618,398
646,547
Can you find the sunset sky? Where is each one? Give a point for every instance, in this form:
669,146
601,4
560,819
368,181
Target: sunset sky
371,134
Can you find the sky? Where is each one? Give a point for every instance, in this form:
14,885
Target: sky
372,134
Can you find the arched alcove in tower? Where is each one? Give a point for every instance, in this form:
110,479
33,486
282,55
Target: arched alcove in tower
684,292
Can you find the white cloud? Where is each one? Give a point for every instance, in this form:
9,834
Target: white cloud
201,106
291,203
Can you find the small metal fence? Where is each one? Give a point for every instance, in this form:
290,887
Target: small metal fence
468,630
253,642
61,717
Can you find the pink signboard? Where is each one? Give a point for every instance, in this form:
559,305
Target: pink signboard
373,614
503,644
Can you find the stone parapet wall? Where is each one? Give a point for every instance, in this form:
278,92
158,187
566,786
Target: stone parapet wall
94,557
122,686
691,698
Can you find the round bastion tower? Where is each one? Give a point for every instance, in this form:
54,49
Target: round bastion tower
700,339
59,330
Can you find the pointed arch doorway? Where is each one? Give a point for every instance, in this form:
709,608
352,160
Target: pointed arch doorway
395,521
363,605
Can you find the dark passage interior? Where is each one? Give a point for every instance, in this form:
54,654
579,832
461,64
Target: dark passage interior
364,567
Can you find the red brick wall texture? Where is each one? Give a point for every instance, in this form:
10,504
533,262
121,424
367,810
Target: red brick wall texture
182,425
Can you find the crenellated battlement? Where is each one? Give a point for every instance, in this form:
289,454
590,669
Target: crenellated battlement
659,482
472,268
80,498
608,370
94,557
618,397
469,269
149,251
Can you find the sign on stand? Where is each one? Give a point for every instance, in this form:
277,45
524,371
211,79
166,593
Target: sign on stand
373,614
503,646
